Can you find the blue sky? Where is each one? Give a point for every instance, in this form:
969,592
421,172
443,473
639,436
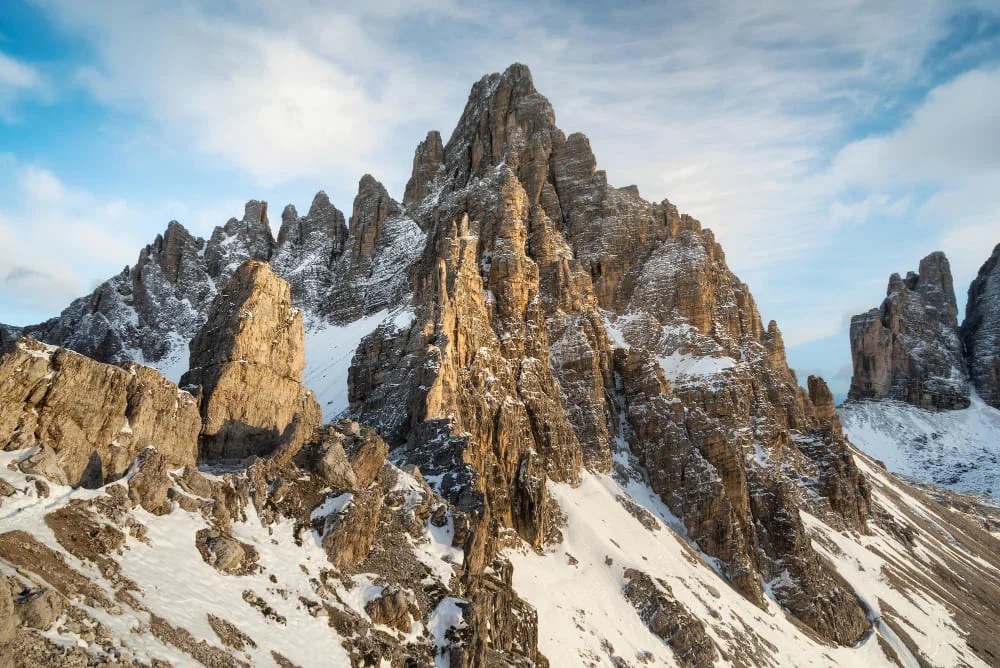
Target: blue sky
827,144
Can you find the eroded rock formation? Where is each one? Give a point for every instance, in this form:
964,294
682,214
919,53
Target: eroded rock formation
94,417
908,349
526,243
246,368
981,330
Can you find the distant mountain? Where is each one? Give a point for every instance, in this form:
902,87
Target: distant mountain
924,393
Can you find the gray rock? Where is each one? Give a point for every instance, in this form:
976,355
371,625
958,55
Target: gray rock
38,608
46,464
981,330
908,349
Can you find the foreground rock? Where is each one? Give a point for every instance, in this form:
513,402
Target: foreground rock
981,330
93,418
909,349
246,366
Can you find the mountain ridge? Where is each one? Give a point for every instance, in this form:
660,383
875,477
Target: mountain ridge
533,346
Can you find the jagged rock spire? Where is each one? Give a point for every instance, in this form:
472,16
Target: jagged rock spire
908,349
427,163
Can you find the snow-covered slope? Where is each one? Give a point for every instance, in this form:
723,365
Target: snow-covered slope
136,588
957,449
329,351
615,523
155,597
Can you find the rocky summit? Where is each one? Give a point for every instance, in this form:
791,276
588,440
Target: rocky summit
520,418
923,397
909,348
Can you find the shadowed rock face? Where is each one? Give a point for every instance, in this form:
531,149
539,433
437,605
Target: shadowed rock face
908,349
95,417
981,330
246,365
427,161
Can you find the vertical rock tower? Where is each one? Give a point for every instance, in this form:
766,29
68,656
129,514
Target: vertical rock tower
981,330
246,366
909,349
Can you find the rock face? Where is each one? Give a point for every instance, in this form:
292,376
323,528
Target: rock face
8,335
94,417
428,160
669,620
981,330
507,376
246,366
908,349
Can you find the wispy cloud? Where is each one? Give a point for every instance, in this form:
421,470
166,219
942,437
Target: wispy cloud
17,79
753,117
53,236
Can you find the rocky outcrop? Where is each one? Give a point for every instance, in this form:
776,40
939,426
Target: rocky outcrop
394,607
246,368
95,418
981,330
668,619
908,349
349,532
8,335
348,456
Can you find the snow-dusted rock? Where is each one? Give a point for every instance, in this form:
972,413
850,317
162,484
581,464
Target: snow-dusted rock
981,330
908,349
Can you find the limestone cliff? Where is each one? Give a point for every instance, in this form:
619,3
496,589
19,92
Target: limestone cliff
981,330
246,368
908,349
90,419
507,376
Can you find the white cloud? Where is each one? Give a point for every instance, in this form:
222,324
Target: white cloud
733,110
53,237
278,95
951,136
949,147
16,80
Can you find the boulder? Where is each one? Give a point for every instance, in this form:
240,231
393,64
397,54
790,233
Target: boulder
149,485
394,607
225,553
38,608
348,534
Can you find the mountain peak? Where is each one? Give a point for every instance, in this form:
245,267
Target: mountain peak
908,349
505,121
